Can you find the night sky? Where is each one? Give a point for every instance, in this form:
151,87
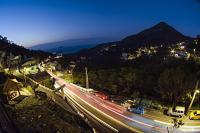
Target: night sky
30,22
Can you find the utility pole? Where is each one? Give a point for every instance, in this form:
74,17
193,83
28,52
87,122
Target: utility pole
24,75
195,92
86,78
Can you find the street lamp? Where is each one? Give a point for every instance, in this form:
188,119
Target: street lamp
182,47
172,51
86,78
194,50
194,95
24,74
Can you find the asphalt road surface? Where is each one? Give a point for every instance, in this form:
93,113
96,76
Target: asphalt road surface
114,116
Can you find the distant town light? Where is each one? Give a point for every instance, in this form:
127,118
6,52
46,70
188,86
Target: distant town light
172,51
182,47
194,50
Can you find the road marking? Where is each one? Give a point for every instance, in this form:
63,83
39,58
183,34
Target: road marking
191,126
152,117
151,126
98,109
163,122
114,110
190,130
102,104
157,128
104,113
114,129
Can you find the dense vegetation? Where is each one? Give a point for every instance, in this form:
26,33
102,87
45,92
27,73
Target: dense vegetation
11,48
159,77
165,66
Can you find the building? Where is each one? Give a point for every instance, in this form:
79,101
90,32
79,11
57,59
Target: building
55,66
124,56
182,54
13,89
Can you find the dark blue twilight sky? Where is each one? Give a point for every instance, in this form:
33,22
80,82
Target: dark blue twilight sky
29,22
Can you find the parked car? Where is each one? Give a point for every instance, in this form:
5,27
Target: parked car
138,109
195,115
176,111
128,103
156,106
101,95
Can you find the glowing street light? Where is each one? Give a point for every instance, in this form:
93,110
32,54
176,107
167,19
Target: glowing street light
194,50
194,95
182,47
172,51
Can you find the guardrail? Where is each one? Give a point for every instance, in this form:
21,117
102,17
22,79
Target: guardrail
52,94
81,88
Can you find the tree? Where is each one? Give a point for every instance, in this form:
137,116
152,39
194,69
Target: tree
174,85
126,78
5,39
